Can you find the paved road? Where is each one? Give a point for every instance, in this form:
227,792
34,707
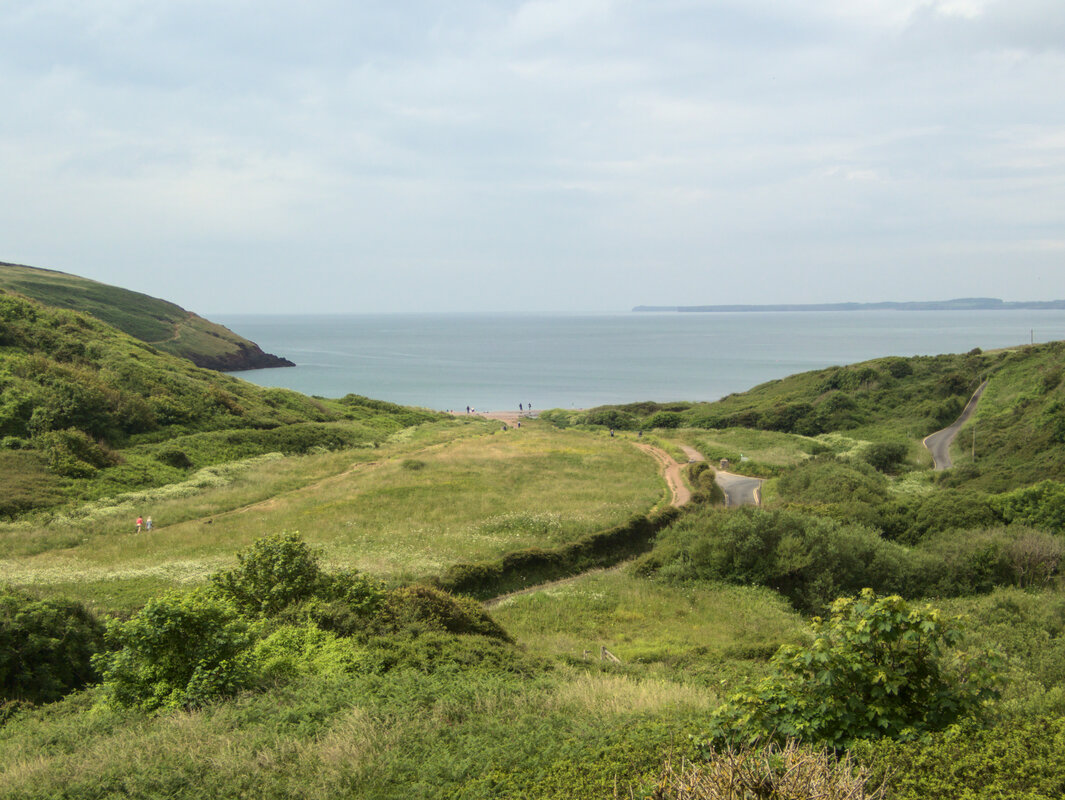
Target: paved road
740,490
938,443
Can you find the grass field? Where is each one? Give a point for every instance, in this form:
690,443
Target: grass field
680,632
428,498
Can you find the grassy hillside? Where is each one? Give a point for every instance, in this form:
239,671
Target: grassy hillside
87,410
166,326
885,400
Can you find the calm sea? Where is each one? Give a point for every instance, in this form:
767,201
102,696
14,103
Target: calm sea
496,361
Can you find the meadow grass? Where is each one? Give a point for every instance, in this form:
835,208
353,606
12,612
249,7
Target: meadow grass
674,631
420,502
554,733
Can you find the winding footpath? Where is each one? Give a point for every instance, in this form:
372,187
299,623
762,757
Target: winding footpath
938,443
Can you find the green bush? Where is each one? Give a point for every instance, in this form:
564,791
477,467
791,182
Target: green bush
72,453
878,667
810,560
826,479
272,573
1015,759
46,646
426,608
1039,506
885,456
179,651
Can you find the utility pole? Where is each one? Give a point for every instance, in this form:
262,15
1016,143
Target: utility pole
974,441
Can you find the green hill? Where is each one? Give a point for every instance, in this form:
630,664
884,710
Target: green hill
1020,419
86,410
164,325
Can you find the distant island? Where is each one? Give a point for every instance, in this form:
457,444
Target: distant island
961,304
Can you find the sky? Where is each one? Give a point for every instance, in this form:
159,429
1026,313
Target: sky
550,155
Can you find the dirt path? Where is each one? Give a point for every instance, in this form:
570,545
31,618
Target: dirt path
680,493
938,443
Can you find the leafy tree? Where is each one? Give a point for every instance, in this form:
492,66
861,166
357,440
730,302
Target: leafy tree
879,667
46,646
272,573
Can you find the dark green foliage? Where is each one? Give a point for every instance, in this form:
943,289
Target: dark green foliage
810,560
1040,506
46,646
878,667
826,479
175,458
180,651
73,454
704,483
813,559
885,456
272,573
952,509
664,419
1013,760
424,607
611,418
535,565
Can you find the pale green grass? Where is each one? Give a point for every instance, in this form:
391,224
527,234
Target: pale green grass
673,629
766,447
469,498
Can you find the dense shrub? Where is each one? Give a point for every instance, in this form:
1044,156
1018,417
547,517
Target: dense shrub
1039,506
1017,759
705,485
808,559
664,419
878,667
885,456
72,453
424,607
46,646
826,479
272,573
179,651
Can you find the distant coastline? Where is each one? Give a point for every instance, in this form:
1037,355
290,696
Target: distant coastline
960,304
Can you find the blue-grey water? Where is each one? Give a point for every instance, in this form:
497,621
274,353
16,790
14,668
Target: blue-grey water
496,361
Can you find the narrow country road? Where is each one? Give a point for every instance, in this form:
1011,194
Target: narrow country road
740,490
938,443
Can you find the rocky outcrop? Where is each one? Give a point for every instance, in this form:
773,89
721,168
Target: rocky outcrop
244,358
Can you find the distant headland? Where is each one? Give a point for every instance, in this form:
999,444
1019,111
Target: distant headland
960,304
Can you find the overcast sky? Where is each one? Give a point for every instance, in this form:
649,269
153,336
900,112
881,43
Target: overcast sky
495,155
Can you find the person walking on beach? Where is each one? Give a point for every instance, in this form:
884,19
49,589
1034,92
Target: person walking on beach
520,408
140,524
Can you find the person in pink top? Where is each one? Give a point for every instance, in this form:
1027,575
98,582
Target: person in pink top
140,524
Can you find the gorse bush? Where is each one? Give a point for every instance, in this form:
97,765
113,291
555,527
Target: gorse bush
1017,759
879,667
46,646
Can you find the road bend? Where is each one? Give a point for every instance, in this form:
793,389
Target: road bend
938,443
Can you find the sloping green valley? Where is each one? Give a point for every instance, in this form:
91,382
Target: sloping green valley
284,629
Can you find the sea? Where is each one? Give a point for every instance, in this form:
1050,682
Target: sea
497,362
